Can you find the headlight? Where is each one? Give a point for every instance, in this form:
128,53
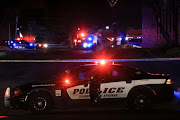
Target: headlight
45,45
7,93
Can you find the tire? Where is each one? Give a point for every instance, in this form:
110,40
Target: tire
140,102
40,103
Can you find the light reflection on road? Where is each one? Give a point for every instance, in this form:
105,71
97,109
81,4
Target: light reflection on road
3,117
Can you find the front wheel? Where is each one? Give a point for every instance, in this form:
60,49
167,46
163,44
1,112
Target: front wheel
40,103
140,102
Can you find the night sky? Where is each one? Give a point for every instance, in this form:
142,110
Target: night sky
62,17
127,12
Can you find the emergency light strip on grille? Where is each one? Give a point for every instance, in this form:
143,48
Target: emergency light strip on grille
90,60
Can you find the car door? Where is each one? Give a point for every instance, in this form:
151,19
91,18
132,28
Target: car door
116,84
81,89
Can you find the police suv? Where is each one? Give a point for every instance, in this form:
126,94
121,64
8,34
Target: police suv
117,82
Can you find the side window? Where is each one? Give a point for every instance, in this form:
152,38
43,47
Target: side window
136,74
119,75
83,73
116,75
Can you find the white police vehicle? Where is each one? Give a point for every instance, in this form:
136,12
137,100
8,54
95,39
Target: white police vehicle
139,88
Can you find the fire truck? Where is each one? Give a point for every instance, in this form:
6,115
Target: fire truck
85,41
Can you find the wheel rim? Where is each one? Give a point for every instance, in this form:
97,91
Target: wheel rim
142,102
40,103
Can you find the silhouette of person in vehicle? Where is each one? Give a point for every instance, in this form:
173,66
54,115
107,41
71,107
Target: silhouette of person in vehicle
94,90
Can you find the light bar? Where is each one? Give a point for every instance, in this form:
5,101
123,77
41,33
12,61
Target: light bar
92,60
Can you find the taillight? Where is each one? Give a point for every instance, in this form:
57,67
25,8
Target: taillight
169,82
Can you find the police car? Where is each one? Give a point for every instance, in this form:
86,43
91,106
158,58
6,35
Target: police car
22,44
138,88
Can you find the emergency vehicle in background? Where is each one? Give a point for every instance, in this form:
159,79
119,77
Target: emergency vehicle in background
140,89
26,42
85,41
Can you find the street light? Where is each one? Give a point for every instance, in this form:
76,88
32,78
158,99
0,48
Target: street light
107,27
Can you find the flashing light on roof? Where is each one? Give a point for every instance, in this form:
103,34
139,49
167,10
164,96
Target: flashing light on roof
126,38
102,62
82,34
85,45
89,45
94,41
11,42
30,44
90,38
20,42
14,44
75,40
18,39
119,38
67,81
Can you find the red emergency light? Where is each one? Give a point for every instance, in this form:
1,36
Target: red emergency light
82,34
79,41
67,81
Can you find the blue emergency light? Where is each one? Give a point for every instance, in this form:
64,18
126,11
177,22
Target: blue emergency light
14,44
90,38
31,44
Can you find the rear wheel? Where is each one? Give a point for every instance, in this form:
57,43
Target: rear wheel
140,102
40,102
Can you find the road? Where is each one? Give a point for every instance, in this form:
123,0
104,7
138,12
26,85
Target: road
105,113
13,74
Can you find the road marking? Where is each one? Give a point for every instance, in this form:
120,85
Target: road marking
89,60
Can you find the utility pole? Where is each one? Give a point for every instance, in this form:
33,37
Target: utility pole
16,25
9,33
1,34
47,35
175,23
